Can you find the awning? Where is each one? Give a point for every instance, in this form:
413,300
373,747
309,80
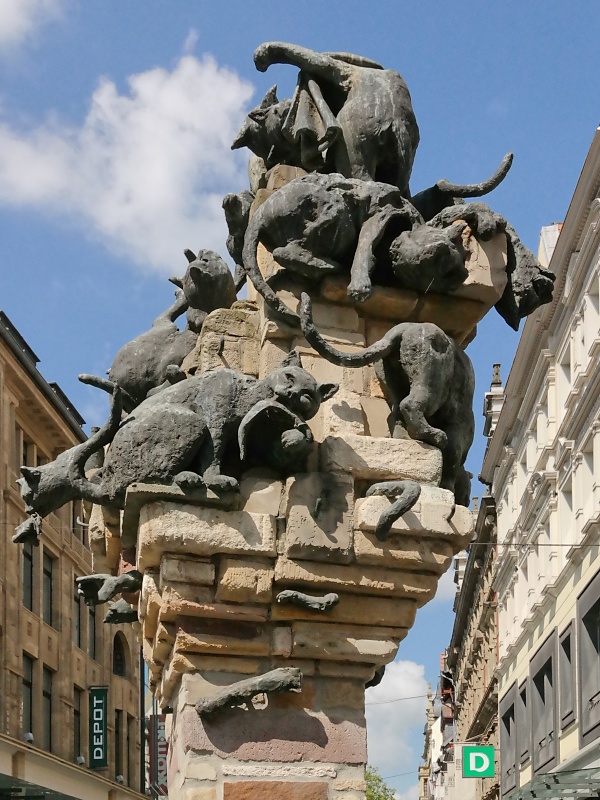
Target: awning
12,788
578,783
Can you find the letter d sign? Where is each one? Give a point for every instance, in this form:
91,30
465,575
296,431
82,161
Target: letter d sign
478,762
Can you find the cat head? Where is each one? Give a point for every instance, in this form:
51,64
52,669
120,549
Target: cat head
296,389
207,285
262,130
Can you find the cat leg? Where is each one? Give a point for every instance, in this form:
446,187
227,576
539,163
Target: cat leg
412,410
213,455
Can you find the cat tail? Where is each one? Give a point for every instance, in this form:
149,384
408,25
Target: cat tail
251,268
378,350
478,189
103,436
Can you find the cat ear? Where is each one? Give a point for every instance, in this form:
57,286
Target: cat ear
31,475
177,281
189,254
270,98
292,359
327,390
256,115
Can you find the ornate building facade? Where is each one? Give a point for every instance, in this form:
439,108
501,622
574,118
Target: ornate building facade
543,467
53,648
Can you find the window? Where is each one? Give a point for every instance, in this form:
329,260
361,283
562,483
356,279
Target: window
92,631
77,633
131,724
566,677
543,706
588,630
523,728
47,574
119,655
508,742
28,575
27,695
47,709
76,525
77,700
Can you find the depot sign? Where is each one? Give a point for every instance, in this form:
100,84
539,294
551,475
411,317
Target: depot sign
477,762
98,727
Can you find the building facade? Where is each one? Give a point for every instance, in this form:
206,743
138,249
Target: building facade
543,467
53,648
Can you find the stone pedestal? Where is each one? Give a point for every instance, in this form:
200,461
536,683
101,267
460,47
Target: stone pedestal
219,571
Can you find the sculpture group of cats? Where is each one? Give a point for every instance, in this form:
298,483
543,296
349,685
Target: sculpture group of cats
351,125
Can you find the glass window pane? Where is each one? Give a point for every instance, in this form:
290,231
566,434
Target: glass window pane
48,566
27,695
47,709
27,565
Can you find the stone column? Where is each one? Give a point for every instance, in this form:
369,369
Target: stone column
224,578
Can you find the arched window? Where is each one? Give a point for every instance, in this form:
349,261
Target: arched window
120,655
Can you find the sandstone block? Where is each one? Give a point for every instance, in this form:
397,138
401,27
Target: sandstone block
381,459
180,663
272,353
376,413
186,569
319,517
486,264
150,603
198,793
175,593
261,495
350,784
432,516
281,643
229,637
281,174
357,580
343,669
277,735
201,531
242,581
173,608
281,771
200,770
275,790
343,414
351,643
404,552
385,611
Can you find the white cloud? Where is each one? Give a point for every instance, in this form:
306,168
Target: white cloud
19,19
410,794
392,726
147,170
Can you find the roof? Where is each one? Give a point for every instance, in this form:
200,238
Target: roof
51,391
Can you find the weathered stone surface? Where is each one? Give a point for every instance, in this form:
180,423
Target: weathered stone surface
431,517
350,784
176,607
196,530
343,414
243,581
260,495
281,771
184,569
319,517
281,644
404,552
486,264
351,643
381,459
279,735
281,174
384,611
198,793
200,771
174,593
343,669
196,635
376,412
179,664
455,316
275,790
357,580
150,602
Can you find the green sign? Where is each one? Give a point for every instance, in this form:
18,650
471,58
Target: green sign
478,762
98,727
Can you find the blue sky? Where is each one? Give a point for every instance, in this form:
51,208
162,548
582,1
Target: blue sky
115,125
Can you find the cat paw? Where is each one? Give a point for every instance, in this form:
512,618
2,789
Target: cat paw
188,480
221,483
359,291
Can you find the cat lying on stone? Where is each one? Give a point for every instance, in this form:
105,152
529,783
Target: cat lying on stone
183,435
